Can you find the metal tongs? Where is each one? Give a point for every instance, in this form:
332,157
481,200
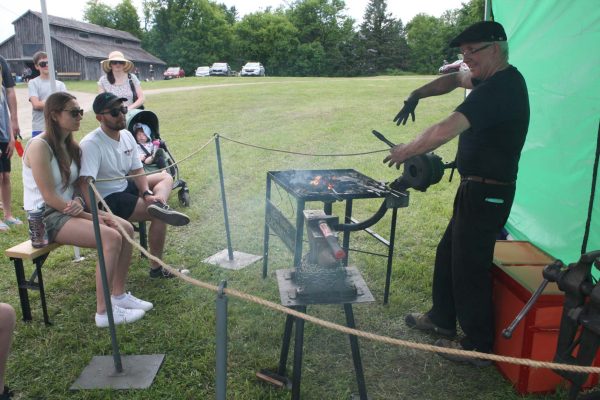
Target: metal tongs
380,136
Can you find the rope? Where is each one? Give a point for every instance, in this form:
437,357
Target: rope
303,154
159,170
345,329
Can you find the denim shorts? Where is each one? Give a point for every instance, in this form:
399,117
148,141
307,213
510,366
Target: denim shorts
54,221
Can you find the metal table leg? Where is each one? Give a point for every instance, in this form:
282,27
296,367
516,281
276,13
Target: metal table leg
299,232
388,274
346,241
22,286
358,368
285,346
267,232
298,345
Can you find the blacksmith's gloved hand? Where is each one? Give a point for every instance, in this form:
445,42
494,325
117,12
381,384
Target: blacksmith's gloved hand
409,109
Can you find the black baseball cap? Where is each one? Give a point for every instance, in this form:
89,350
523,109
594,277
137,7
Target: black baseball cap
105,100
484,31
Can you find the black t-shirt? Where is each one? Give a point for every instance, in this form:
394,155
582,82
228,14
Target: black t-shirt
7,79
498,112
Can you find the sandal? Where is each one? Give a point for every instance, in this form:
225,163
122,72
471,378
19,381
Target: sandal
13,221
3,227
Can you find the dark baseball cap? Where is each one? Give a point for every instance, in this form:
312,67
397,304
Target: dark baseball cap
484,31
105,100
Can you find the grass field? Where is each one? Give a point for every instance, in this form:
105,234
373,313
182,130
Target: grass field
310,115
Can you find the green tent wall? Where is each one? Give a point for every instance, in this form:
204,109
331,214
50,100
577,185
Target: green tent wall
556,46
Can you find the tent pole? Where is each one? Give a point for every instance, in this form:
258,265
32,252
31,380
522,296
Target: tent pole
487,11
588,222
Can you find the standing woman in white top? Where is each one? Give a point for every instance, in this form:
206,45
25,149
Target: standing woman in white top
119,80
51,165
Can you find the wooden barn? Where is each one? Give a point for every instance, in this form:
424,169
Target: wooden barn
78,47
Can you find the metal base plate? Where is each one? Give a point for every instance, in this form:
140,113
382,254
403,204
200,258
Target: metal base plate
240,260
288,289
138,373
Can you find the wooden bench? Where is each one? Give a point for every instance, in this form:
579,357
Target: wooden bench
25,251
75,76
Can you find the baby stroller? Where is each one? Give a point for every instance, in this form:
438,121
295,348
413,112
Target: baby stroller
149,118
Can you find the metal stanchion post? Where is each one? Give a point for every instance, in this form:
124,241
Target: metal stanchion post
105,289
223,198
227,260
221,305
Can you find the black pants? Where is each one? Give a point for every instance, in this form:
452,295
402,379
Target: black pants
462,283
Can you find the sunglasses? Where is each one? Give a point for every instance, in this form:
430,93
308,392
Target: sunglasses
116,111
75,112
117,63
43,64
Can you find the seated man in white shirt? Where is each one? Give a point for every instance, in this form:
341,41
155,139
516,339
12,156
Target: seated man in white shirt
110,151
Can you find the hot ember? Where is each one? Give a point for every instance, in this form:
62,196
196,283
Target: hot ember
320,181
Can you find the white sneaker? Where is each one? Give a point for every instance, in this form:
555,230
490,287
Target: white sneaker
120,316
129,301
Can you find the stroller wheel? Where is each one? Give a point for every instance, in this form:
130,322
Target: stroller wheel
184,196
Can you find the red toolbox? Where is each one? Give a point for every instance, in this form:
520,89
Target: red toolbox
537,334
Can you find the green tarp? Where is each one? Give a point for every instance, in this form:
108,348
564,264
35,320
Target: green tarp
556,45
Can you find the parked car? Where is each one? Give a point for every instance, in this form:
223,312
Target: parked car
174,72
455,66
220,68
253,69
203,71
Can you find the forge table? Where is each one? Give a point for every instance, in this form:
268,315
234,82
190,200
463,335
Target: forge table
327,186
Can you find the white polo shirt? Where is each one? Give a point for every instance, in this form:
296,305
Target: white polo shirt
104,158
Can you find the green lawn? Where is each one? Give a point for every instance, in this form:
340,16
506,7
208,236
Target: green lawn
311,115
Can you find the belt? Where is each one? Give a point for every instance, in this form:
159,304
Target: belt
480,179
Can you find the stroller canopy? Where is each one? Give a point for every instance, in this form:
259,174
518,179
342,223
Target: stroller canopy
145,117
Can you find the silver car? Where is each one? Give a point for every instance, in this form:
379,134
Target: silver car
222,69
253,69
202,71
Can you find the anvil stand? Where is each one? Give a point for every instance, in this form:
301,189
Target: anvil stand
285,286
330,283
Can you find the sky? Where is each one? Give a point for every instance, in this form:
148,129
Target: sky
403,9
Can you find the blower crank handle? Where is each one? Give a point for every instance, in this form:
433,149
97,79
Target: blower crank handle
380,136
507,332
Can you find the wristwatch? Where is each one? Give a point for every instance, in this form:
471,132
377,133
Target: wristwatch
147,193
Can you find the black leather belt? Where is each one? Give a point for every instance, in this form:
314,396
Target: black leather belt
480,179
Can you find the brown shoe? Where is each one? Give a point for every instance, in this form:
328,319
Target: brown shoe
423,323
450,344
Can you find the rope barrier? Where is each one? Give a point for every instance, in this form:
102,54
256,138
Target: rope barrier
345,329
159,170
303,154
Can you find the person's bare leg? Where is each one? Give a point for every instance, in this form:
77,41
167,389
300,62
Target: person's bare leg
157,232
124,260
80,232
161,184
6,194
7,327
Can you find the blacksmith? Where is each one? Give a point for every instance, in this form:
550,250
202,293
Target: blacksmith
492,123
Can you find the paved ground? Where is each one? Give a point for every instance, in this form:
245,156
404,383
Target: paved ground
24,108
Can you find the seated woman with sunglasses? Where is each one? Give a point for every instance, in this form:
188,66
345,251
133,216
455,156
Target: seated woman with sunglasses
51,165
120,81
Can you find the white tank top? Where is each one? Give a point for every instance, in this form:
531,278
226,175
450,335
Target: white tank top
32,197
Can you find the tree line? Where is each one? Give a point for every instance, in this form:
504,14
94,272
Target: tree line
302,38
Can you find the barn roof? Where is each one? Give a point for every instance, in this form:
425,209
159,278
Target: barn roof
90,49
85,27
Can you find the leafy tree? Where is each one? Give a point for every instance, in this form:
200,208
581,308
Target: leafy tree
189,33
269,38
427,43
380,43
98,13
323,28
126,18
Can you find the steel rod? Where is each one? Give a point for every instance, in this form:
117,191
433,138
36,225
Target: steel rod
223,198
221,352
105,288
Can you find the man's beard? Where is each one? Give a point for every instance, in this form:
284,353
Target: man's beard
116,124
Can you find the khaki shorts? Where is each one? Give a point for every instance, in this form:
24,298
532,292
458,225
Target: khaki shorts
54,221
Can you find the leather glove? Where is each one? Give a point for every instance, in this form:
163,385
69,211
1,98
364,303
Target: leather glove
408,109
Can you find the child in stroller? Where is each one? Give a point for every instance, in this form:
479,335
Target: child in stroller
144,122
149,150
